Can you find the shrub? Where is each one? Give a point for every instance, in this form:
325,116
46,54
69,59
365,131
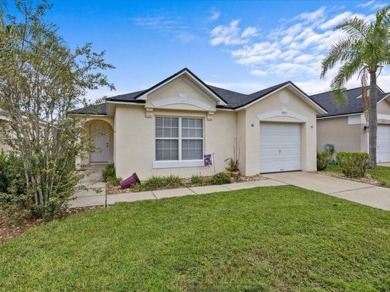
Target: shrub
198,180
353,164
108,173
322,160
158,182
221,178
13,189
12,179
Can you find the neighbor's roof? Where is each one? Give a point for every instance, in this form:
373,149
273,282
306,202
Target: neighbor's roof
353,106
233,100
95,109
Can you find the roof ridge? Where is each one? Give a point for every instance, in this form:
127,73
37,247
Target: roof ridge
354,88
217,87
273,86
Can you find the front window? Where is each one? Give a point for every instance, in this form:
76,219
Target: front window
179,138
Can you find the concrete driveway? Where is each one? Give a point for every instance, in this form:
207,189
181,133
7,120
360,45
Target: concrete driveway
361,193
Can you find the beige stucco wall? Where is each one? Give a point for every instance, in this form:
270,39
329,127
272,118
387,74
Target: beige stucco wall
336,131
241,136
3,145
135,141
271,109
181,94
384,112
384,107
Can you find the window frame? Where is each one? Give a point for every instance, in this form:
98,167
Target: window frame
180,162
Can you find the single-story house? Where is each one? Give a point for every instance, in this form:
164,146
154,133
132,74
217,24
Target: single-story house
169,127
346,127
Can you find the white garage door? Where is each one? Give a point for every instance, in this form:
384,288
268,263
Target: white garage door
383,144
280,147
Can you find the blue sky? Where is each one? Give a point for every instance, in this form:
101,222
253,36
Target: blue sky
238,45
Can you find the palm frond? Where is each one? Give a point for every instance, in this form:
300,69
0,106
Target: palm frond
344,74
344,50
355,27
383,16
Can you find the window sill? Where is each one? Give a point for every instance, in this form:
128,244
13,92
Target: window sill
175,163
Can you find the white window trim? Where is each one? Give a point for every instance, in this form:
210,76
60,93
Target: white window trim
177,163
180,162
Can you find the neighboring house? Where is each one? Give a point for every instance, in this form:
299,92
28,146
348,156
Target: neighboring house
346,127
167,129
3,145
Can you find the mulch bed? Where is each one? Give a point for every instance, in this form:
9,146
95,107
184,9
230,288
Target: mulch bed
14,226
185,183
10,229
367,179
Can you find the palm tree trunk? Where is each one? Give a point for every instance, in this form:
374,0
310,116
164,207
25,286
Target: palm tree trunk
372,120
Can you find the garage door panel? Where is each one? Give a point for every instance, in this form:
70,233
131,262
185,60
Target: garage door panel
383,143
280,147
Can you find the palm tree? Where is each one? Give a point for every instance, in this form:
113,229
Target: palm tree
365,50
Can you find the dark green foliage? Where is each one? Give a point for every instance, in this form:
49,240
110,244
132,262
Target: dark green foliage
109,173
322,160
353,164
13,186
158,182
221,178
380,173
11,174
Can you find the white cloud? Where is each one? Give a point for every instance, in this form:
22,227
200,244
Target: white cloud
259,73
171,26
374,5
335,20
292,50
257,53
304,58
214,15
249,32
366,4
231,34
313,17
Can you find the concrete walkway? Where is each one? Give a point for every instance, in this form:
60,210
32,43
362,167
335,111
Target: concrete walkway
91,198
91,190
361,193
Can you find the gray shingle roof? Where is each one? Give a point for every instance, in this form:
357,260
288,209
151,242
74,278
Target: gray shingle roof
354,104
128,97
95,109
236,100
233,100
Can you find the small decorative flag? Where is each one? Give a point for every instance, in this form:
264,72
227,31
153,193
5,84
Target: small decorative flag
207,160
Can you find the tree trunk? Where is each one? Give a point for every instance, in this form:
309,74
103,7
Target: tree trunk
372,120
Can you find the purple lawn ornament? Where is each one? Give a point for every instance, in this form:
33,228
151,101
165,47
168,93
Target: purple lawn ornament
130,181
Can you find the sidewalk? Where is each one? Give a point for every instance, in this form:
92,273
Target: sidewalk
365,194
91,198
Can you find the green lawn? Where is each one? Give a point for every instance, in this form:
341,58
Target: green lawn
381,173
263,239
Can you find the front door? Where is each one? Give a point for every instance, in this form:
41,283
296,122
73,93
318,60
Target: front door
99,133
